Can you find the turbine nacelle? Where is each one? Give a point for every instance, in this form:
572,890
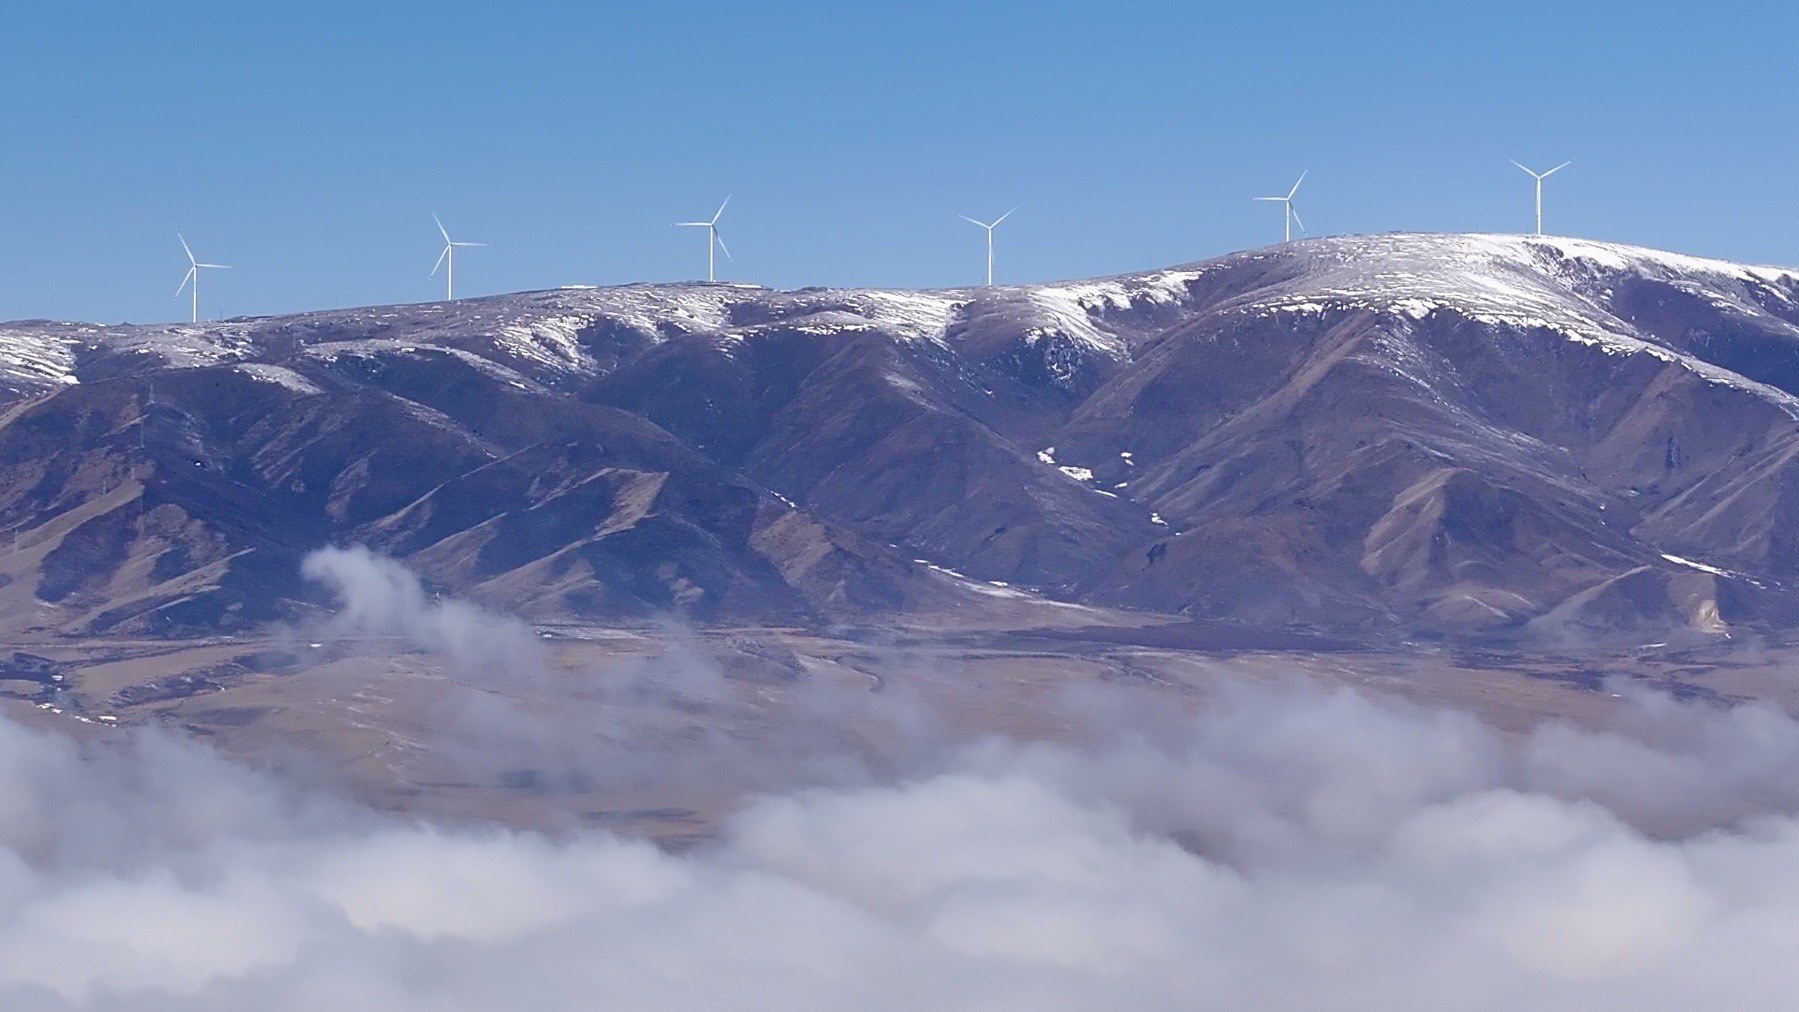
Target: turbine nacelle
988,225
1542,175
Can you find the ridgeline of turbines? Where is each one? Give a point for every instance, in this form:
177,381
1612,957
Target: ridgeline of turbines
446,260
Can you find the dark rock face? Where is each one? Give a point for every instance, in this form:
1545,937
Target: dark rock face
1407,435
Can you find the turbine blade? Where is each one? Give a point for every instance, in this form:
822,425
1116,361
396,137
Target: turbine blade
222,267
721,209
1520,164
971,221
1558,168
440,227
1001,218
721,244
1295,213
1280,199
693,224
440,260
1302,178
185,278
185,248
468,244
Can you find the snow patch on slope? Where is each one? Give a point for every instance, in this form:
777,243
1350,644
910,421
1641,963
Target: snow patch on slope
278,375
37,359
552,341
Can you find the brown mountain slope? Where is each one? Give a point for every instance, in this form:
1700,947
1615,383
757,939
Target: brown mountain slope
1407,435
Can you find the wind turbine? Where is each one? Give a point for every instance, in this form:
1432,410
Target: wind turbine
1292,217
1539,177
448,259
712,236
989,228
192,278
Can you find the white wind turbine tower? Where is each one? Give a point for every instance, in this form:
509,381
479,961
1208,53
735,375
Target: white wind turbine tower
712,237
192,278
1291,217
448,259
989,228
1539,177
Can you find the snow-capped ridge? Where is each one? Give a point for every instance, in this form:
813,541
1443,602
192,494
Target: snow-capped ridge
1564,285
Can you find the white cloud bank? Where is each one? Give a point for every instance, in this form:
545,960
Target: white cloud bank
1291,849
1288,850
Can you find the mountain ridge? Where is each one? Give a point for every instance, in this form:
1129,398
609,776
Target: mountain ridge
1470,436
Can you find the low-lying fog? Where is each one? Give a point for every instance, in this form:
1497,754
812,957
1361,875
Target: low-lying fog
1290,848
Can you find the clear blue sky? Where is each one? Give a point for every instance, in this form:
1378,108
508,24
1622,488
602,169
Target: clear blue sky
309,145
